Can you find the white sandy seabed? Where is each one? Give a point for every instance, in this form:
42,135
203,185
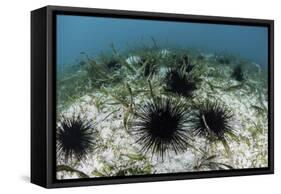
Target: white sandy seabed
117,152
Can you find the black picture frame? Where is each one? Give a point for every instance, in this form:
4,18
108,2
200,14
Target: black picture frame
43,99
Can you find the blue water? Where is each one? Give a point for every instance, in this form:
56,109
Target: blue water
92,35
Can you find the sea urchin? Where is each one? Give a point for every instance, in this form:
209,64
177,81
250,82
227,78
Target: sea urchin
238,73
212,120
75,137
179,83
161,126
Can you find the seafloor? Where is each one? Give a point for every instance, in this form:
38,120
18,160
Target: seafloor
108,88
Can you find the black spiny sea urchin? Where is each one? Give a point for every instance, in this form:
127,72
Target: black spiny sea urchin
161,127
212,120
113,64
179,83
75,137
238,73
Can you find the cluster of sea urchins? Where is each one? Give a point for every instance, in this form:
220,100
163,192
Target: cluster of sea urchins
166,125
75,137
180,83
161,126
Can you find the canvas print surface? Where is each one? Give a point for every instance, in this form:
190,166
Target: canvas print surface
144,97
